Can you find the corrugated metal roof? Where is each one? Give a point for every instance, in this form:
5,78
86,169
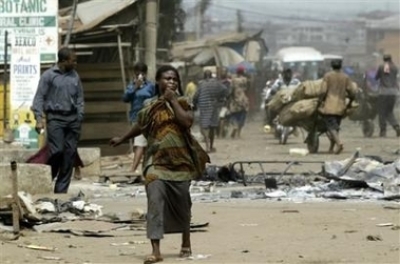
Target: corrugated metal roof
91,13
226,56
188,49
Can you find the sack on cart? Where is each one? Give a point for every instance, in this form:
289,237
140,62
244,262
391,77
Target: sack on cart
308,90
296,112
280,99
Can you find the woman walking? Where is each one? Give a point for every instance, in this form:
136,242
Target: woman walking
238,108
173,158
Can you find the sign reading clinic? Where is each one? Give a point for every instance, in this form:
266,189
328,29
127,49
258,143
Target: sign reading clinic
30,21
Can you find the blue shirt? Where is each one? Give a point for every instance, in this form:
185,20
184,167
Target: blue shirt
136,97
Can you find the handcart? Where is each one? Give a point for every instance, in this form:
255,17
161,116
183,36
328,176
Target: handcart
315,127
366,111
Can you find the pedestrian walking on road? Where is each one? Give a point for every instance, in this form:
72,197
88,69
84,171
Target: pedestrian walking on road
139,90
209,99
60,97
337,86
388,91
173,158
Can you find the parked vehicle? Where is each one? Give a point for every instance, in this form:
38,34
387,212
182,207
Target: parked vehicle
304,61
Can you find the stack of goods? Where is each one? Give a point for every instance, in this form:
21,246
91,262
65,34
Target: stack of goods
282,98
298,104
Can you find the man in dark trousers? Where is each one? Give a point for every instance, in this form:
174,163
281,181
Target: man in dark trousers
60,97
337,86
388,90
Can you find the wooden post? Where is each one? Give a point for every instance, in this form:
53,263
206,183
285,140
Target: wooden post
199,21
151,37
71,23
5,82
123,74
121,59
15,198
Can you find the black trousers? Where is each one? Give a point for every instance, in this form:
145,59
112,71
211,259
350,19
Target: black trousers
63,134
386,104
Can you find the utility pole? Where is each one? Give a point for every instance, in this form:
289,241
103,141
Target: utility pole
151,37
199,21
71,23
239,21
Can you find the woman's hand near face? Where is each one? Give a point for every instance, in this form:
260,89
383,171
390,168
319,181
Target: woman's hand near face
170,94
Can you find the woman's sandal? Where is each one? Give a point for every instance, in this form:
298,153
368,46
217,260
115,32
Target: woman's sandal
339,149
152,259
185,252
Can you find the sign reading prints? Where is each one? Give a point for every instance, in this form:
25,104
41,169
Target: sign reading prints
30,21
24,78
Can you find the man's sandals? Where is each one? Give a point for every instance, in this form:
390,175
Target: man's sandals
185,252
152,259
339,149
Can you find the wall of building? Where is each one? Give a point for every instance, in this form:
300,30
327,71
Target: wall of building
390,44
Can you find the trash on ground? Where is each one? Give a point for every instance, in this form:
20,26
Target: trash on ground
196,257
374,238
385,224
35,247
290,211
50,258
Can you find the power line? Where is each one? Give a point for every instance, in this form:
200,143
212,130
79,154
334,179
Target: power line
266,15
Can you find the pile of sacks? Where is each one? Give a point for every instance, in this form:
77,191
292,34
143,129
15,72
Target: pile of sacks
299,103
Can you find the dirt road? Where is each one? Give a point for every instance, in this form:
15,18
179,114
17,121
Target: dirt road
240,232
244,231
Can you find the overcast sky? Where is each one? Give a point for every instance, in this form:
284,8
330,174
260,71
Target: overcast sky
257,12
304,7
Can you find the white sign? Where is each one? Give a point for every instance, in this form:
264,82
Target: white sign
24,71
35,20
24,79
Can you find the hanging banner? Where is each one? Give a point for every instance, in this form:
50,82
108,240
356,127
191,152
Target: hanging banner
33,19
24,79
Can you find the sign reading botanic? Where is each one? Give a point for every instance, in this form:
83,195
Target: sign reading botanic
29,22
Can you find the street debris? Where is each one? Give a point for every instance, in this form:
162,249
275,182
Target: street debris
248,224
196,257
77,217
49,258
41,248
385,224
129,243
358,177
391,207
290,211
374,238
350,231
